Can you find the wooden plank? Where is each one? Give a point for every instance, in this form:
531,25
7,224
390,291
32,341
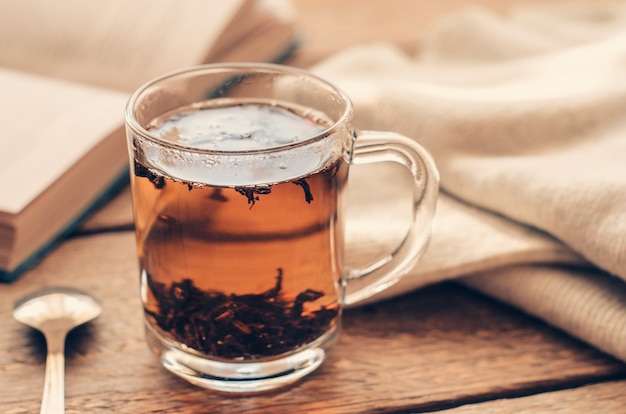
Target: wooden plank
117,214
430,349
605,398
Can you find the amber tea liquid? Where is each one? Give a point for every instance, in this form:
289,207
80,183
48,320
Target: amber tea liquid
233,271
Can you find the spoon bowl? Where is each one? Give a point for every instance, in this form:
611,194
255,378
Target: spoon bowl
56,308
55,312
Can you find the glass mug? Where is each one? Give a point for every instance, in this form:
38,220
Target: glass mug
238,177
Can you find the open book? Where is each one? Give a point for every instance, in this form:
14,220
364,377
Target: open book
67,68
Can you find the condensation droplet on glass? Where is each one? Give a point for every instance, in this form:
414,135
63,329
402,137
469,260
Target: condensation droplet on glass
209,162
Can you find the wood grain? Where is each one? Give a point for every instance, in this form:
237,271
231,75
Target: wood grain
117,214
601,398
436,348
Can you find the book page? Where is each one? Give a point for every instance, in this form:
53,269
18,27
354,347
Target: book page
114,43
48,125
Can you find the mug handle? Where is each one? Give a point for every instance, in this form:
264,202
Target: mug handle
372,147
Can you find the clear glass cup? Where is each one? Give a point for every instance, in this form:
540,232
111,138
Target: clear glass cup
241,240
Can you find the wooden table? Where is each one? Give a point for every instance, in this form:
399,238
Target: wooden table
441,349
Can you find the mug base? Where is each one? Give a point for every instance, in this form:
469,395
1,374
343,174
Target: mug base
240,377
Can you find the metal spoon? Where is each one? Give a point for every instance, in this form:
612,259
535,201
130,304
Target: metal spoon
55,312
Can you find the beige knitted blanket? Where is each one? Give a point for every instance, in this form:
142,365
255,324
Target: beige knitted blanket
525,115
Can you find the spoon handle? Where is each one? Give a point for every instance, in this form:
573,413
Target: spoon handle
53,400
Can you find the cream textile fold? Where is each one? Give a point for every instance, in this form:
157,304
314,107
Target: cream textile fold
525,115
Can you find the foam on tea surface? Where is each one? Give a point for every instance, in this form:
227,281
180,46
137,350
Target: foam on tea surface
230,143
238,127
